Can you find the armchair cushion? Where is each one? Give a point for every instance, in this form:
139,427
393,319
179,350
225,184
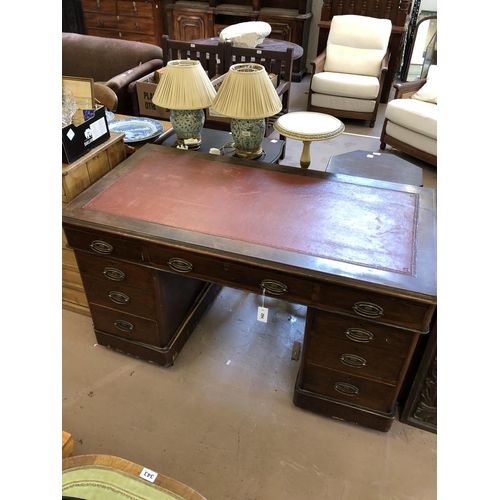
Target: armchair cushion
428,92
413,114
345,85
357,44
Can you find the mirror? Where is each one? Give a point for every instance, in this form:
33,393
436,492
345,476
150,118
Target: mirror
423,50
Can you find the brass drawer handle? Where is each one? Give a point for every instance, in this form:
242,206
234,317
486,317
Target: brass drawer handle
101,23
123,325
353,360
119,297
136,24
113,274
101,247
347,389
274,287
98,3
359,335
368,310
135,7
180,265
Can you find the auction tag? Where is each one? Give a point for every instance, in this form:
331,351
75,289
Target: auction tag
262,314
148,475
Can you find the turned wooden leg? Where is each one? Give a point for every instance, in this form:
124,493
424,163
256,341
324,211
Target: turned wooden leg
305,158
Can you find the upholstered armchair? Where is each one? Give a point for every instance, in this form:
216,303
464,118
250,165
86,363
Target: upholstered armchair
347,78
410,123
115,63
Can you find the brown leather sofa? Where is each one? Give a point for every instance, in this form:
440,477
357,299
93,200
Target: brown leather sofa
114,62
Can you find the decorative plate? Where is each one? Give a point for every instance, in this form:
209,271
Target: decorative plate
109,115
136,129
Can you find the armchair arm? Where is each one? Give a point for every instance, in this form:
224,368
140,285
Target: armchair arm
404,90
318,64
124,79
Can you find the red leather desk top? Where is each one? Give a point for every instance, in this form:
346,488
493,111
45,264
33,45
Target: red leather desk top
357,224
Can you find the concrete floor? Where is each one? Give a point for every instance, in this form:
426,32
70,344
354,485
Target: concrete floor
221,420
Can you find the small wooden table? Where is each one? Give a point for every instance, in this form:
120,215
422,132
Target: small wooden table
222,140
307,126
380,166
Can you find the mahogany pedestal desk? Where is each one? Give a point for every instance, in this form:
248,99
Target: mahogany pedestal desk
153,235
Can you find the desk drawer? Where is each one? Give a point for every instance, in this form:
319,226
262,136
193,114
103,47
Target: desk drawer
355,359
125,325
376,307
348,388
121,297
113,271
104,245
226,272
325,327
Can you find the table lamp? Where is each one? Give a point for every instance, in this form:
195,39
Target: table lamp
247,96
185,90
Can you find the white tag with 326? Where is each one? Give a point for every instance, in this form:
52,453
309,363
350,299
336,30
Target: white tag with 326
262,314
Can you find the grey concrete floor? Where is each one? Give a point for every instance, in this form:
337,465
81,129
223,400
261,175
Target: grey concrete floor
222,420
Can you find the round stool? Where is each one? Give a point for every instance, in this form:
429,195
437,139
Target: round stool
307,126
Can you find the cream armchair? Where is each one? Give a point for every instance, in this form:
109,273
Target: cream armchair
410,123
347,78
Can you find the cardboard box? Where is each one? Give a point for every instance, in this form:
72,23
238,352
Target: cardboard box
145,88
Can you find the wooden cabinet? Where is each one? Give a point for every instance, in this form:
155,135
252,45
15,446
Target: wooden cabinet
289,20
139,20
76,178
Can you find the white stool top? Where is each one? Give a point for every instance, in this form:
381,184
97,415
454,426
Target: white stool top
308,126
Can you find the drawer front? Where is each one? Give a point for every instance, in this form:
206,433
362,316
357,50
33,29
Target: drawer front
125,325
123,35
104,245
138,8
141,24
355,359
101,21
99,6
115,271
247,277
326,327
121,297
376,307
348,388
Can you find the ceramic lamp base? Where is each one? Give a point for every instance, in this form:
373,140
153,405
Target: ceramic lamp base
248,135
188,125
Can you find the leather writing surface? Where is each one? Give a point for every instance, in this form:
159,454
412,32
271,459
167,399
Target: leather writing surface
363,225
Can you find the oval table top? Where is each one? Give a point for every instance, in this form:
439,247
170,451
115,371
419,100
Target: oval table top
308,126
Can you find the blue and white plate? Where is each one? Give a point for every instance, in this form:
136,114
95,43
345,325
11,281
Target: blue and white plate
136,129
109,115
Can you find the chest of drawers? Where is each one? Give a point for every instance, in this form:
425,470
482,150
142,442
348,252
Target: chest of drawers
153,235
139,20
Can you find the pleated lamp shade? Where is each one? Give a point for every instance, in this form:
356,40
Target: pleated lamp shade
247,93
184,85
